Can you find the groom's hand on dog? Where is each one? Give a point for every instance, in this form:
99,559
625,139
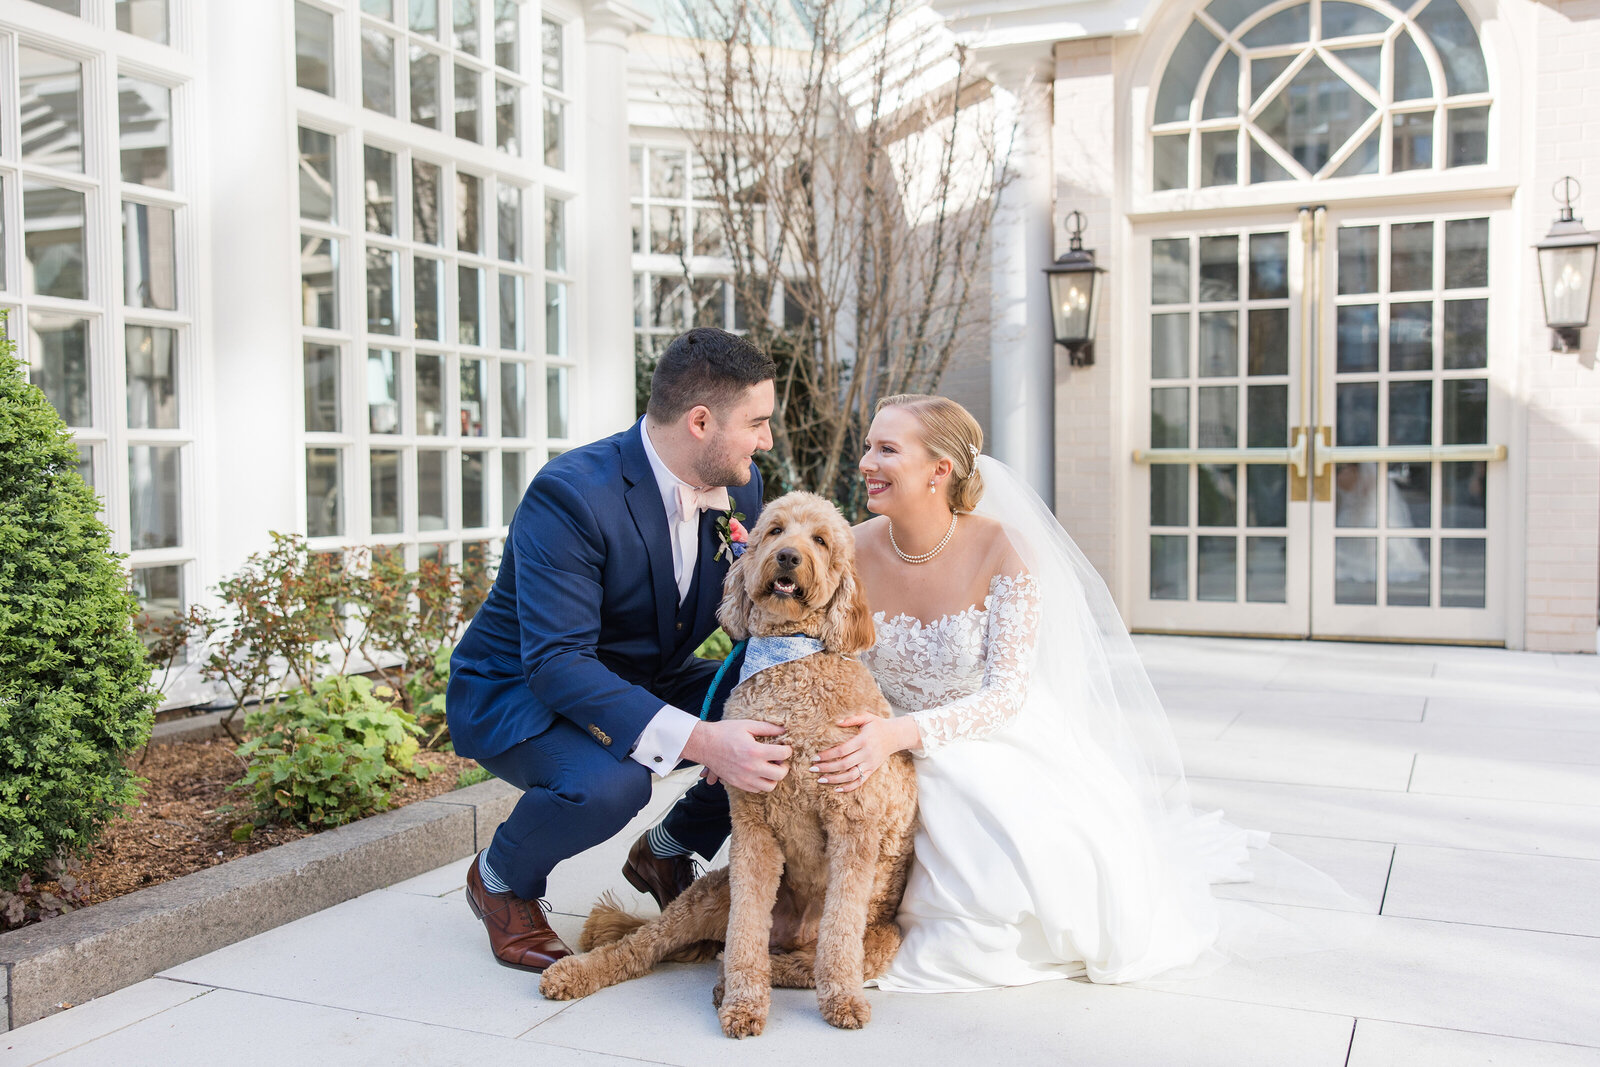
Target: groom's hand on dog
732,751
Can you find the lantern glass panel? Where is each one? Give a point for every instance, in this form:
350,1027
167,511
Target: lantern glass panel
1567,277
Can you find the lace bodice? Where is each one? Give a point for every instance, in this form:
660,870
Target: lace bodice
961,676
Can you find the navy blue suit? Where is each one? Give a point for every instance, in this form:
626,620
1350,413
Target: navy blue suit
581,641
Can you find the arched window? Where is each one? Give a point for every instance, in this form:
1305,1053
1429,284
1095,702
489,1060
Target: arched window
1295,91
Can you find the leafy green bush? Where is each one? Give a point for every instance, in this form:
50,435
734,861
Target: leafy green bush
472,776
328,756
717,646
74,681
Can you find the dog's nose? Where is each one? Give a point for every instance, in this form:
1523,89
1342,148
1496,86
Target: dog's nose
788,558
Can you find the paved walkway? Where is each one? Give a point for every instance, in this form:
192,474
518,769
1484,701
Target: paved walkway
1454,792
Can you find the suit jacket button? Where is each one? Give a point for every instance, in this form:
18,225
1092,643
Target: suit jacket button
680,625
599,734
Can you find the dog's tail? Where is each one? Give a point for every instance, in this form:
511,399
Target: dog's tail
609,921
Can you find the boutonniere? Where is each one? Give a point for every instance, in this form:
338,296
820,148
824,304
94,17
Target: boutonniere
731,536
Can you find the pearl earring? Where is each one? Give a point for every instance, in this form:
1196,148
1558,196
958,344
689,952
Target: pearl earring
933,487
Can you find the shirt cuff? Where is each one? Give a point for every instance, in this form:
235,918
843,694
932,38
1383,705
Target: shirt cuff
660,744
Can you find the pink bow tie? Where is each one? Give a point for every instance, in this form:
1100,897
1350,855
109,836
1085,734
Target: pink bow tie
692,501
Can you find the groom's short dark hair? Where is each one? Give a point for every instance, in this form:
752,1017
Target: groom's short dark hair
705,366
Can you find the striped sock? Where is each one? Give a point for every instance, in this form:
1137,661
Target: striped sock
491,881
663,846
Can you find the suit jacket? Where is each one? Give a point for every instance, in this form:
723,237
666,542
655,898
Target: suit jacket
583,621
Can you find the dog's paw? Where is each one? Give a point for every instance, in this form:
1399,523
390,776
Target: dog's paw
743,1016
847,1011
567,979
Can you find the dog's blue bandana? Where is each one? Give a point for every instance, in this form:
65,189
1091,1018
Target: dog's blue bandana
764,652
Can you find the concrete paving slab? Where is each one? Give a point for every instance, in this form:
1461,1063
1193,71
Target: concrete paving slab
1507,779
1048,1023
1360,868
1297,761
1380,1044
1553,746
1514,715
1320,702
95,1019
1552,893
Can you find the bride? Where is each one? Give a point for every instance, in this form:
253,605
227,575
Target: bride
1056,837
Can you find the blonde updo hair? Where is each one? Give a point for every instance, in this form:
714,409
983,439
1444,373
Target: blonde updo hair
949,432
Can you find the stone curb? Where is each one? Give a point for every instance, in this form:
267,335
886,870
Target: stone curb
193,728
95,951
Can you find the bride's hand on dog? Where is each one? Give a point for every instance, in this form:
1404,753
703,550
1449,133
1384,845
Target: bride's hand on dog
732,751
849,763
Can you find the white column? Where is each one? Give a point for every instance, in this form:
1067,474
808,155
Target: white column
607,237
1022,339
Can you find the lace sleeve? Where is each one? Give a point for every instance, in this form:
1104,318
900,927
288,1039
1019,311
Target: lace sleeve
1009,646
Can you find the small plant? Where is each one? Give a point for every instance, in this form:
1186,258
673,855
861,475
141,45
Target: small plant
30,902
327,756
716,647
472,776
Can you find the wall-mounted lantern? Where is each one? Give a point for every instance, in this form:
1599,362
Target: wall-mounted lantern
1566,271
1075,296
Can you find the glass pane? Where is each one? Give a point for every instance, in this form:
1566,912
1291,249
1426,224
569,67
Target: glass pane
1169,567
155,497
1268,424
637,214
1466,411
509,222
432,553
427,284
319,264
431,490
469,83
1218,495
322,388
474,385
1222,95
1169,418
635,171
556,399
1463,496
143,18
555,113
708,237
505,33
464,23
159,591
1466,253
1219,416
313,48
469,305
58,351
1413,141
512,483
424,88
1355,570
1410,413
144,132
1169,494
1410,256
709,298
430,395
473,512
1171,154
377,71
1463,572
555,319
383,391
1269,340
53,241
1219,268
1169,345
1366,62
385,482
1358,259
317,185
1269,266
1286,27
1466,334
667,174
1358,413
1181,80
1263,167
1357,333
1266,570
1264,71
424,202
1266,495
469,212
152,360
378,190
1217,568
1410,572
555,235
149,257
1315,114
383,284
1453,35
1363,159
1411,336
1410,496
1169,271
513,337
513,399
1469,135
1219,344
666,230
1219,157
551,67
1411,78
1355,496
1350,20
424,17
508,118
384,9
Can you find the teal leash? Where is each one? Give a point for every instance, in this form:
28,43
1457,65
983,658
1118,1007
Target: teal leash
705,706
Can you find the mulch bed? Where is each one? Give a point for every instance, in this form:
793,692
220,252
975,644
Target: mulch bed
176,828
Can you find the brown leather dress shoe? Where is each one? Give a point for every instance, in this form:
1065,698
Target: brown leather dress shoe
662,879
518,932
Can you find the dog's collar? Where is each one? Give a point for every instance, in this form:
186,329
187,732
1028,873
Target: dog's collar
763,652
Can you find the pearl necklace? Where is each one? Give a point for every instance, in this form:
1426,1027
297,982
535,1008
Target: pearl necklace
926,556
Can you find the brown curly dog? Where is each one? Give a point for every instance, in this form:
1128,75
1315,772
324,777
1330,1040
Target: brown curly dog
833,864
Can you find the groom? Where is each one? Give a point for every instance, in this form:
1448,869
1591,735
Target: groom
576,680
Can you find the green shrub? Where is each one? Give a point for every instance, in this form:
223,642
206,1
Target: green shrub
328,756
472,776
74,681
716,647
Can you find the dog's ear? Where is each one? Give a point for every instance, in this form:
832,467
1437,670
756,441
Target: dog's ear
847,627
736,608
